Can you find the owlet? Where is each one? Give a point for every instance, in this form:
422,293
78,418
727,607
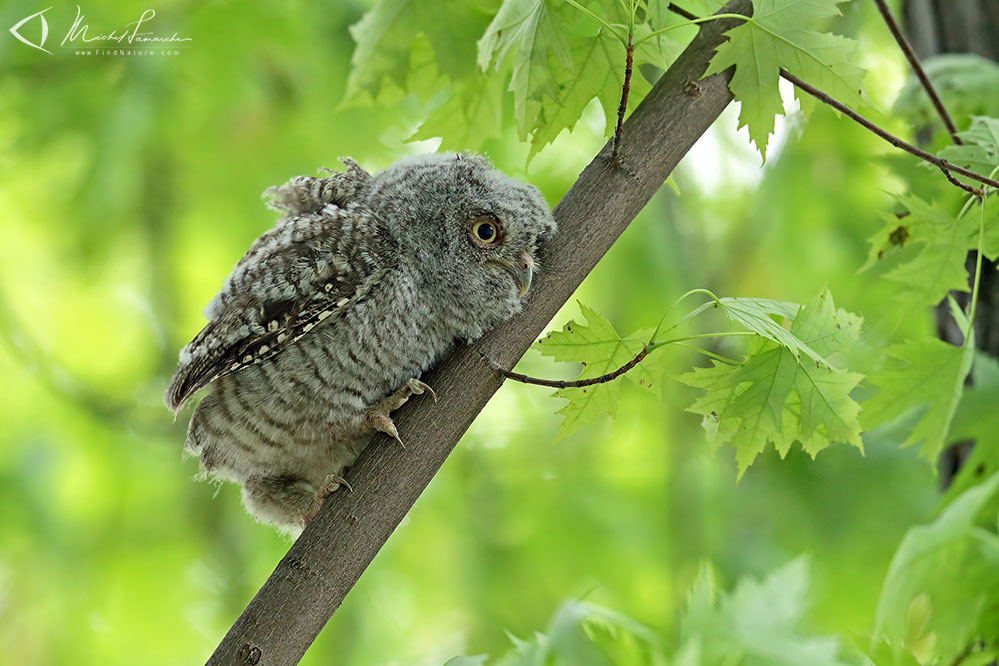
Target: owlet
325,325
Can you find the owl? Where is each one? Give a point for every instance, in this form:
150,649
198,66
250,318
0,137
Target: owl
326,324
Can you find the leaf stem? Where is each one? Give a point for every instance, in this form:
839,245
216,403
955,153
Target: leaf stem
693,21
707,292
700,336
599,20
709,354
917,67
978,277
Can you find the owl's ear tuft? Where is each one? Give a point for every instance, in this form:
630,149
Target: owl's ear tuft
304,194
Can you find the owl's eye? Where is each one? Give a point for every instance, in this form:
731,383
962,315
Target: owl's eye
485,231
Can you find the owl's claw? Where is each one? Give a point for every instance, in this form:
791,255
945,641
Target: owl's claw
416,387
383,423
330,484
379,417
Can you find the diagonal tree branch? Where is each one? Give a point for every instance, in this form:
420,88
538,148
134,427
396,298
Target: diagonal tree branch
313,578
917,68
938,162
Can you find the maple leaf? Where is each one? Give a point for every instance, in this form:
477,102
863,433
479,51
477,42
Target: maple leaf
946,572
941,241
760,316
385,36
925,374
776,37
755,624
563,59
774,396
601,350
597,72
470,115
534,31
980,151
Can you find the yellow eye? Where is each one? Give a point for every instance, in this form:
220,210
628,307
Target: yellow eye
485,231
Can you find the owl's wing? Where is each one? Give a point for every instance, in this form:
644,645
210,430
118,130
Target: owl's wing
301,274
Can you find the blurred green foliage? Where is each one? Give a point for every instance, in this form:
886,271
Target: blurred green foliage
130,185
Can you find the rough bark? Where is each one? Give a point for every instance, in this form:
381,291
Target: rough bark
960,26
313,578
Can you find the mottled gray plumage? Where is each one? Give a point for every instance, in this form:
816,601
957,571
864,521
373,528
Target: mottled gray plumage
324,325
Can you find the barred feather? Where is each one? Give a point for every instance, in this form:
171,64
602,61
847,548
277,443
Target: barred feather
364,284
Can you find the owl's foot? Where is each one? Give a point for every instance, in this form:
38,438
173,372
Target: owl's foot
330,484
379,417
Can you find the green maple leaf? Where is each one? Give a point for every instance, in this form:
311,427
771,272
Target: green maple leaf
562,59
775,396
777,37
596,72
533,31
385,37
944,581
980,151
601,350
938,266
925,374
660,50
755,624
471,113
763,316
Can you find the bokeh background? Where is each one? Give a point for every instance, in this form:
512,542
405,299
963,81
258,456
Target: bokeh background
129,186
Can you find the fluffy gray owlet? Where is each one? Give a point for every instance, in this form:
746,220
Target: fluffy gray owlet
325,325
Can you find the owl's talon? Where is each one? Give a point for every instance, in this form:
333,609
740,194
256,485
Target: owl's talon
382,422
330,484
379,416
419,388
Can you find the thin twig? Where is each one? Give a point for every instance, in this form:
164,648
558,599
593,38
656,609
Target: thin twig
942,164
579,383
625,89
938,162
967,188
917,67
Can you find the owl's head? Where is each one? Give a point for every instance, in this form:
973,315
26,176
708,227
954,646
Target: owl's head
474,232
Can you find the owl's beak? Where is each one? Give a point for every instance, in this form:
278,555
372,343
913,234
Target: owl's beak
523,271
